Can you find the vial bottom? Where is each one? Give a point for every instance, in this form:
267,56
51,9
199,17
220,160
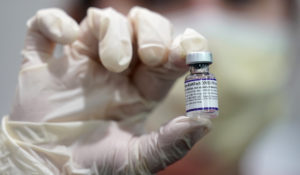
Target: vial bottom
203,114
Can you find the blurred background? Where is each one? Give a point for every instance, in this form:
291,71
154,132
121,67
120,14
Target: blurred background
255,44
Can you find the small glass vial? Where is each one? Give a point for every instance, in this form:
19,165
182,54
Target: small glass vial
201,94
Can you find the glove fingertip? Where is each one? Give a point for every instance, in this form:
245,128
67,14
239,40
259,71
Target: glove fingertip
57,26
115,61
186,126
153,54
114,65
189,41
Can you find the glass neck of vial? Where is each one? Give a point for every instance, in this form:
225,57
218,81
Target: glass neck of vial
199,68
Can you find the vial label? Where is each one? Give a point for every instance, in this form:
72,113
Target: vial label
201,94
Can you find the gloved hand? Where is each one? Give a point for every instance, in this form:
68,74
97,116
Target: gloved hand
114,69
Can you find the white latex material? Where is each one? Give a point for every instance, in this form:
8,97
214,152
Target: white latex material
83,113
152,46
93,147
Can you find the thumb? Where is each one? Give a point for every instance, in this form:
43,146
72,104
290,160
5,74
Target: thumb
173,140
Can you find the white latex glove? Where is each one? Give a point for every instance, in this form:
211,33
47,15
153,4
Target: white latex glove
105,75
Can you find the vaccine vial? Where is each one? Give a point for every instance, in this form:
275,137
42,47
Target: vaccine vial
201,94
